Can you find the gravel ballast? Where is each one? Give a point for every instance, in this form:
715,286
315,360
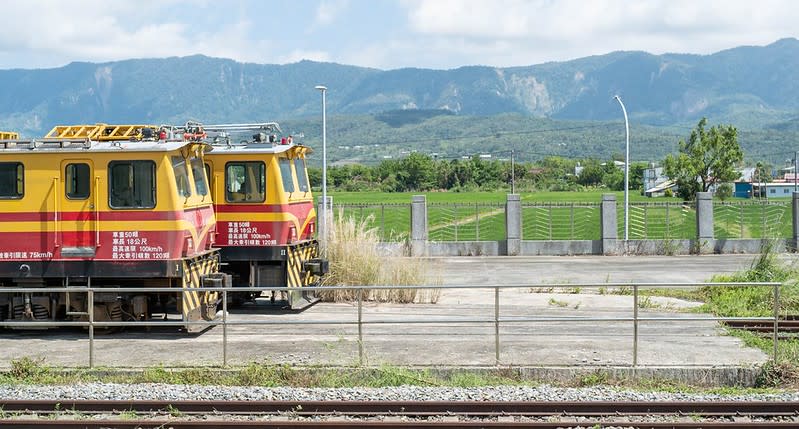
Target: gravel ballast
111,391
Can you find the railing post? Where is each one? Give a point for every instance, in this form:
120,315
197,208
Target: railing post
383,235
513,225
360,326
571,222
224,327
635,326
419,225
776,318
476,222
91,328
496,325
795,207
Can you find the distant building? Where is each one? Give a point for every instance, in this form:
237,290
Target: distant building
656,182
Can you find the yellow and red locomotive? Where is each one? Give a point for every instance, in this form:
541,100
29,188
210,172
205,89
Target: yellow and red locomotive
264,208
132,206
106,206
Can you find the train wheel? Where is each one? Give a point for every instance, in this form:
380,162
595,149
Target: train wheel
107,312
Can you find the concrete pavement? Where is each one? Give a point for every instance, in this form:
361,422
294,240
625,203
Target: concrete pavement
327,333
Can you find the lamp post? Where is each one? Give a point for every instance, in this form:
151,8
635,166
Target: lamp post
323,214
626,173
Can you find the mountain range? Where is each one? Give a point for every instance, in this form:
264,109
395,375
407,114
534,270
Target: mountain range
753,87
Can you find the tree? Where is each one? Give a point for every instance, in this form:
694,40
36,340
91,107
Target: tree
707,158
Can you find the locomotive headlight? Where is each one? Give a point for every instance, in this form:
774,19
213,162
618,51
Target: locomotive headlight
292,234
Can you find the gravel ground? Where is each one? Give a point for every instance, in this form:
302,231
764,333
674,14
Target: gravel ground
107,391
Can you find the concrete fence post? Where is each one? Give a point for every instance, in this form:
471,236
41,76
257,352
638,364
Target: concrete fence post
513,224
704,221
795,211
418,225
610,224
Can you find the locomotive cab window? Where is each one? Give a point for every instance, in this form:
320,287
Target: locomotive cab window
131,184
77,181
11,180
245,182
285,174
200,181
302,175
181,176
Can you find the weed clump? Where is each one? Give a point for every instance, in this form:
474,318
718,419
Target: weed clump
353,249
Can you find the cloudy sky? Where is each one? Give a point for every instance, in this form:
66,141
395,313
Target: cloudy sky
384,34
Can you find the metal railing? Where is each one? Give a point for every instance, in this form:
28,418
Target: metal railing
659,221
496,321
739,219
560,221
466,221
390,220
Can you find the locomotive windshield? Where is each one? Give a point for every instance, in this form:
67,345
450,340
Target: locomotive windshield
245,182
132,184
302,175
197,170
285,174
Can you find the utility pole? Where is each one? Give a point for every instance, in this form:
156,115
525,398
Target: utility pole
795,170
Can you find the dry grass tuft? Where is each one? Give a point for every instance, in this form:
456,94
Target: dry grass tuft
355,260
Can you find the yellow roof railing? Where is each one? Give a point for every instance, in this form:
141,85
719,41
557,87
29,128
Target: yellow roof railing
103,132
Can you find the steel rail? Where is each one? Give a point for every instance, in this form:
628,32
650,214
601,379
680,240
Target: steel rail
416,408
405,424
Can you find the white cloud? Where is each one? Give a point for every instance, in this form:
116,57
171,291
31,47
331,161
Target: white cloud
95,30
542,30
329,10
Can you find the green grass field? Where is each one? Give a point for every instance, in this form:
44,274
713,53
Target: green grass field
480,216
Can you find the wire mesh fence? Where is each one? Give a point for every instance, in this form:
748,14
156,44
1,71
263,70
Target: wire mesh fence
466,221
392,221
575,220
658,221
561,221
767,219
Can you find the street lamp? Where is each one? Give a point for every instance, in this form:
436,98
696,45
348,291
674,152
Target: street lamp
626,173
323,214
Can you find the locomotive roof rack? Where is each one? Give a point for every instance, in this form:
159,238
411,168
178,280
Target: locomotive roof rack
104,132
265,133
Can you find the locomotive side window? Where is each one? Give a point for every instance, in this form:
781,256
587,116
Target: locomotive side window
200,183
285,174
245,182
181,176
77,181
131,184
302,174
11,180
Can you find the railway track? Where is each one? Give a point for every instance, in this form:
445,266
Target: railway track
790,326
391,414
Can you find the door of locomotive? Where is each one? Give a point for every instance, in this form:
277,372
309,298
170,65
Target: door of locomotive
77,218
